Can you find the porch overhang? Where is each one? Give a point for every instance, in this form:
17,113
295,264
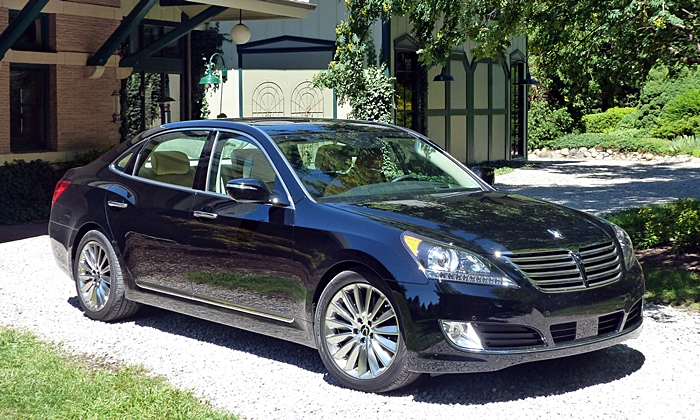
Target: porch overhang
245,9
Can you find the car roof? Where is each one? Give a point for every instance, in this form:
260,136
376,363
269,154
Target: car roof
283,126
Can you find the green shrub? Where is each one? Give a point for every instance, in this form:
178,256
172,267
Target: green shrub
685,145
26,188
605,122
661,86
675,224
696,153
625,141
669,129
680,116
683,106
546,124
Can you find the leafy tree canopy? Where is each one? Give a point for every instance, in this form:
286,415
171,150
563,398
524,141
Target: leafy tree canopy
583,46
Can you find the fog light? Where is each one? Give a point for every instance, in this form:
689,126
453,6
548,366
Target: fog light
461,334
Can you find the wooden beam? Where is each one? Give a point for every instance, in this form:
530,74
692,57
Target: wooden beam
125,28
175,34
19,24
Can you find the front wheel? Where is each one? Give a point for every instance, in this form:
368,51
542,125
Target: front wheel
98,280
359,336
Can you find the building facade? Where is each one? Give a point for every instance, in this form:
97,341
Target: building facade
480,116
64,65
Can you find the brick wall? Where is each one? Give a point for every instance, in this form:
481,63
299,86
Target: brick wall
84,109
4,94
82,34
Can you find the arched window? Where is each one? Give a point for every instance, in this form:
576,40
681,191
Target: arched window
307,100
268,100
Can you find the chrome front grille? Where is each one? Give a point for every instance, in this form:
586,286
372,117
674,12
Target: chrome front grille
564,270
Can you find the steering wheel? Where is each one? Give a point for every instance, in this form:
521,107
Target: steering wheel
405,177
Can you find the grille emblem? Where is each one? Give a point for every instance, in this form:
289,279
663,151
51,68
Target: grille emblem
576,256
555,233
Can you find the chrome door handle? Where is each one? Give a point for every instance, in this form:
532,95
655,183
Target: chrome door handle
117,204
204,214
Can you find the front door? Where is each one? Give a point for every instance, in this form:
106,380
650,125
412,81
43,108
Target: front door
240,253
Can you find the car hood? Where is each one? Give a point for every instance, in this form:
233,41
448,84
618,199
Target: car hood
488,222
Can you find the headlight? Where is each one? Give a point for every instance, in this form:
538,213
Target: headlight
626,245
444,262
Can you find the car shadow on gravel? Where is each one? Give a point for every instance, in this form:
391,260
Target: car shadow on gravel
537,379
232,338
550,377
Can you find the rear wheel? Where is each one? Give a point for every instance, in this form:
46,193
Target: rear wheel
98,280
359,336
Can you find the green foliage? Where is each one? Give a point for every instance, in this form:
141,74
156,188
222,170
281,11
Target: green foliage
625,141
662,86
675,224
38,382
673,287
680,116
136,88
204,44
605,122
685,145
670,28
353,74
669,129
546,124
26,190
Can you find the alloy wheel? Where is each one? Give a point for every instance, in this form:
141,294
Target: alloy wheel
361,331
94,276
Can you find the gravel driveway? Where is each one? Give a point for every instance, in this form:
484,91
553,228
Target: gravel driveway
653,377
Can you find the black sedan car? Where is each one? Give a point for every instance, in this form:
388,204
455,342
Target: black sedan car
363,240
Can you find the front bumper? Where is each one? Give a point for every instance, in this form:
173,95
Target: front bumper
519,325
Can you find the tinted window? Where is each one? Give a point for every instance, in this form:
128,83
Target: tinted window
236,156
371,165
172,157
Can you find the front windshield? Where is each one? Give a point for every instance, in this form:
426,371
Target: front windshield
366,165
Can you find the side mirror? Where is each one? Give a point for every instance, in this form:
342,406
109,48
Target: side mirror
249,190
485,173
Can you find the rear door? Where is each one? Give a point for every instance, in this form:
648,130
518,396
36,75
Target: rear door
148,211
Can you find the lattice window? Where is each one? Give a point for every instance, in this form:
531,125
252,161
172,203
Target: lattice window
307,100
268,100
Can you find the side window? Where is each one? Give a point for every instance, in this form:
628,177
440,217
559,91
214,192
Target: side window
172,157
235,156
121,163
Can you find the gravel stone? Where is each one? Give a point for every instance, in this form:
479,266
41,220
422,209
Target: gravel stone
655,376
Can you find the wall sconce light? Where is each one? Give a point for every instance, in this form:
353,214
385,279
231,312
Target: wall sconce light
444,76
240,34
528,81
164,104
116,107
210,78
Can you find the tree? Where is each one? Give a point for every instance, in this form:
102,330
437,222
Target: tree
438,26
674,25
591,53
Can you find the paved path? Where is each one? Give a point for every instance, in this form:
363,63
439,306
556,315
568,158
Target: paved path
602,186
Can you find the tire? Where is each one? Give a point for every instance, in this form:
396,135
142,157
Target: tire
363,349
98,280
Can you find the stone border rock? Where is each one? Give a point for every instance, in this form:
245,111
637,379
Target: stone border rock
607,154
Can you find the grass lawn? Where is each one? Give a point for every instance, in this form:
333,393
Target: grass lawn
38,381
